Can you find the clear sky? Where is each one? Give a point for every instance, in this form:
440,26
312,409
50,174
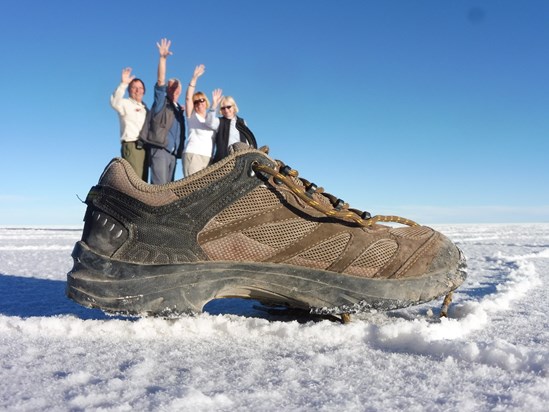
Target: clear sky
436,110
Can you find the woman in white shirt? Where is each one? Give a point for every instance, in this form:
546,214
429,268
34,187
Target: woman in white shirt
200,138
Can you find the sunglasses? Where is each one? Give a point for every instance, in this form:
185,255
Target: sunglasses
199,101
226,107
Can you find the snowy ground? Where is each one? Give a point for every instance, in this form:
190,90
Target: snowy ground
492,353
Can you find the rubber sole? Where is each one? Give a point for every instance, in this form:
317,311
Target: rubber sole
172,290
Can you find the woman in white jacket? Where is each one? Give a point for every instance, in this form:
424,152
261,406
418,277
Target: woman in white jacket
131,114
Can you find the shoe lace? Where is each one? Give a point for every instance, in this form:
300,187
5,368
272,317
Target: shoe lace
322,201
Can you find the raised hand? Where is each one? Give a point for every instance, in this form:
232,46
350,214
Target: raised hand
127,75
216,97
199,71
164,47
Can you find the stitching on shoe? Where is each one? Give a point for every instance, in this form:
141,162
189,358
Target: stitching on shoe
227,227
428,245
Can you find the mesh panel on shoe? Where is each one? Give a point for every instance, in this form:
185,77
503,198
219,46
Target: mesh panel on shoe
203,178
280,234
373,259
258,199
322,255
237,247
413,232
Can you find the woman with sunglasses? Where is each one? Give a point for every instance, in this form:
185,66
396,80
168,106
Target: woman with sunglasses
229,128
200,137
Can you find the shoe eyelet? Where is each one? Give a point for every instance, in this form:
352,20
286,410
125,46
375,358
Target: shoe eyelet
339,204
286,170
251,171
311,189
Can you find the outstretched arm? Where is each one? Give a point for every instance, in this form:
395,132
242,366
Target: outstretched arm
198,71
118,95
212,121
164,52
216,98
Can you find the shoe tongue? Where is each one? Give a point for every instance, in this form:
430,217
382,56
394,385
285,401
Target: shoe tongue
240,147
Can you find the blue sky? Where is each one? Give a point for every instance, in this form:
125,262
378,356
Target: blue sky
436,110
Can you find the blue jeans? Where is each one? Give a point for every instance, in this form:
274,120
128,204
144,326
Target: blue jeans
162,165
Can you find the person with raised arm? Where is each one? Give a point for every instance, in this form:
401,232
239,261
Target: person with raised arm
166,127
132,113
229,128
200,139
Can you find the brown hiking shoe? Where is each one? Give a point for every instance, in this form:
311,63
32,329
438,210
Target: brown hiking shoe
248,226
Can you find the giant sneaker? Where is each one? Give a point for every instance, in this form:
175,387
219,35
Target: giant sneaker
248,226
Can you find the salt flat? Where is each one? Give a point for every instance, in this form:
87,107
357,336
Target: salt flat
491,353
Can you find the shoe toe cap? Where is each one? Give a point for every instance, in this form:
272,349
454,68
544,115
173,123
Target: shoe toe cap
448,259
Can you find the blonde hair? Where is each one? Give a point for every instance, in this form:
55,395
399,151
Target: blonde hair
200,95
228,101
